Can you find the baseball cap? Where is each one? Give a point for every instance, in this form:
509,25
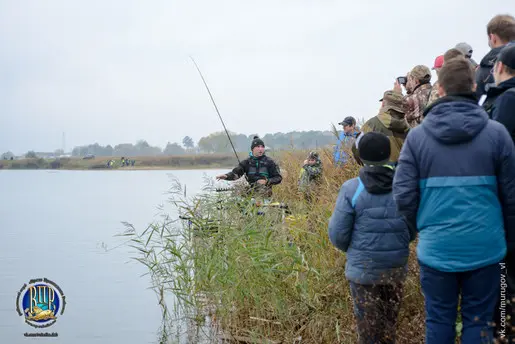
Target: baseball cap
421,72
507,56
465,48
348,121
393,100
438,62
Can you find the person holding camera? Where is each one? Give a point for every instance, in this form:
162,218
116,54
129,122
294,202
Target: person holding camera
418,89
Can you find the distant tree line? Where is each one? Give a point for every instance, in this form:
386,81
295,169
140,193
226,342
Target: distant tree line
213,143
141,148
219,143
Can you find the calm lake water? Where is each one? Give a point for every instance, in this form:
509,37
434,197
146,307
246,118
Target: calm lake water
53,225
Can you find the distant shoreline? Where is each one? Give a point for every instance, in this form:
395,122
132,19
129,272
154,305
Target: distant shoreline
212,161
135,168
142,163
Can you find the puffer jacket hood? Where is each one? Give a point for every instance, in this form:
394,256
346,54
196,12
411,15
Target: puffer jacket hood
466,121
377,179
368,227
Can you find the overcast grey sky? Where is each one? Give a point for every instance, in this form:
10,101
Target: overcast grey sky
116,71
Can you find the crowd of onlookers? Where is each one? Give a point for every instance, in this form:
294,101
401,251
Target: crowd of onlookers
438,167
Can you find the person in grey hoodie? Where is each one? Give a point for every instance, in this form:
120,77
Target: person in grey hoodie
366,225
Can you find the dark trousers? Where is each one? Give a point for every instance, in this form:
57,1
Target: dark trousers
479,293
376,308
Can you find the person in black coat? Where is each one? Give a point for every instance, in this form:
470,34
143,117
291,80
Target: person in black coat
503,108
260,171
501,31
503,111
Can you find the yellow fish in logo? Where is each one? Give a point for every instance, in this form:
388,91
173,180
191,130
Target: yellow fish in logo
39,314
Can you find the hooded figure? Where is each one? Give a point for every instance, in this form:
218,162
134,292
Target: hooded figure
366,225
454,183
391,122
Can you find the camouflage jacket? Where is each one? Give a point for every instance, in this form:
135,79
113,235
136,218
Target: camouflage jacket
434,94
310,176
393,125
416,103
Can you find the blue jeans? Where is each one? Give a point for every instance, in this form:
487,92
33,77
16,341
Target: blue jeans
479,293
376,308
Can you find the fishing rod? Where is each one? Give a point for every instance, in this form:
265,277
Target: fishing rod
216,108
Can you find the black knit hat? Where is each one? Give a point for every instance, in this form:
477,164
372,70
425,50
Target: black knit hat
374,149
256,142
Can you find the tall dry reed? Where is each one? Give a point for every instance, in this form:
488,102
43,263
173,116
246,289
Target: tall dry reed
262,277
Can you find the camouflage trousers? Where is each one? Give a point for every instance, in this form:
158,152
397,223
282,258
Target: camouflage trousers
376,308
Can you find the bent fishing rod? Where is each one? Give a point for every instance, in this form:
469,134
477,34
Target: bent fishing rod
216,108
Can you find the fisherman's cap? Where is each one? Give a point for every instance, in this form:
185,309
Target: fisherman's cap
421,72
393,100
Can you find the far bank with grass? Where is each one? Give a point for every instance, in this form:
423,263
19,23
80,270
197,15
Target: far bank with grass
184,162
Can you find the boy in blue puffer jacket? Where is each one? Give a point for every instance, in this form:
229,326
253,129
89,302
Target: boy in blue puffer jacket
365,224
455,182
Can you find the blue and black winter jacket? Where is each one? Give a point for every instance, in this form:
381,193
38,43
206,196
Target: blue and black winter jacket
366,224
455,182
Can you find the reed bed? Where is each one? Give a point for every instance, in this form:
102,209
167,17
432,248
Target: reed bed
272,278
